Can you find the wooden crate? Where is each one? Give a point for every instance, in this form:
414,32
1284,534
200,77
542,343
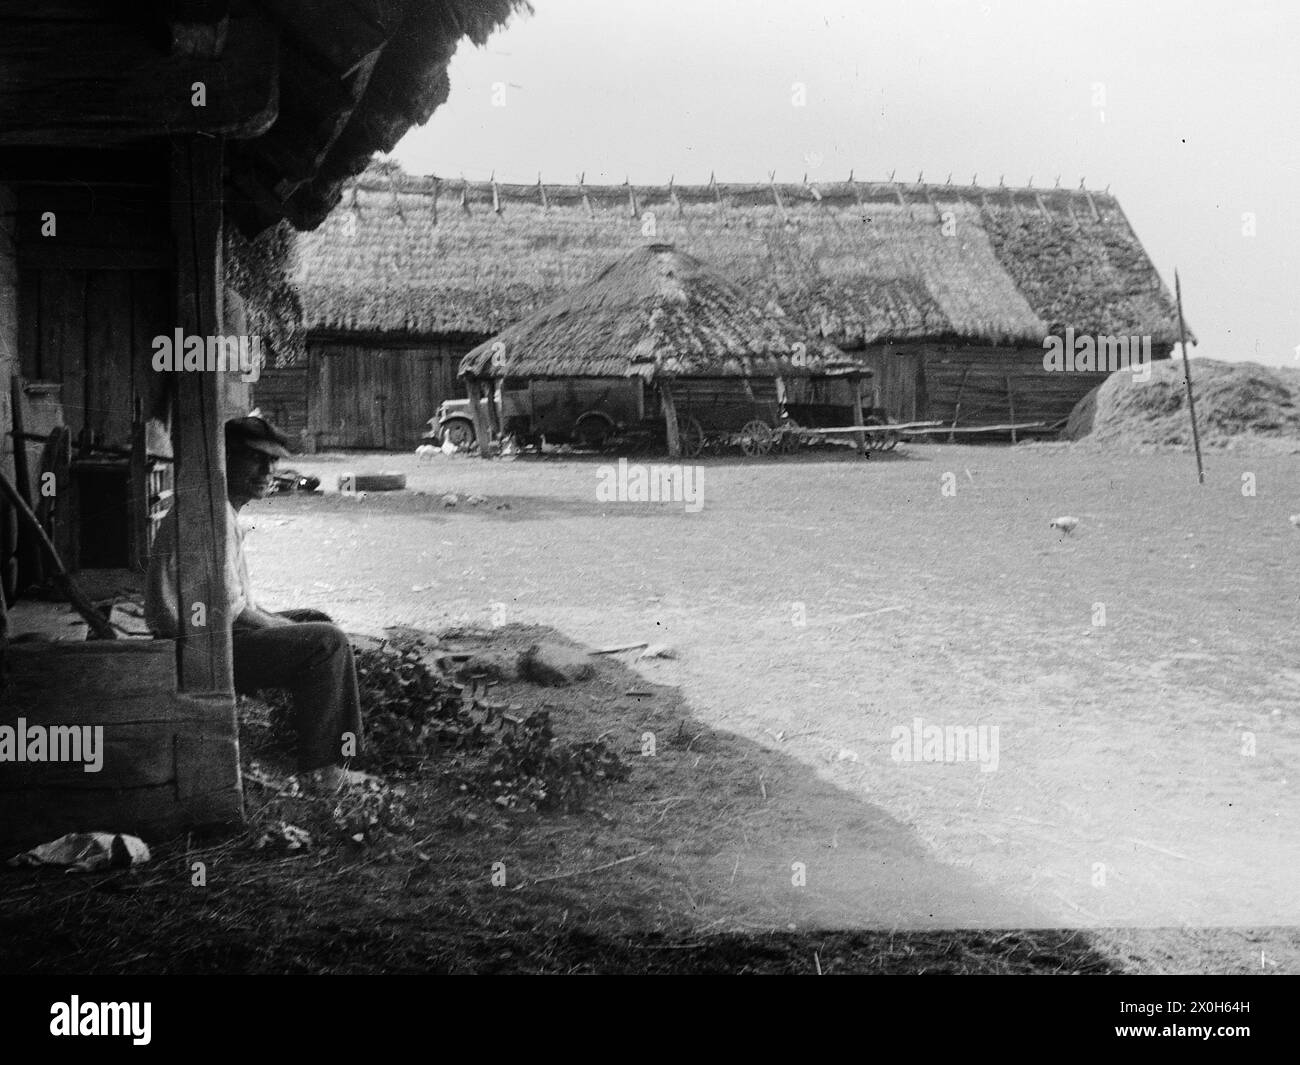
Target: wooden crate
170,760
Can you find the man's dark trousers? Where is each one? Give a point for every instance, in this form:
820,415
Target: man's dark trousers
313,661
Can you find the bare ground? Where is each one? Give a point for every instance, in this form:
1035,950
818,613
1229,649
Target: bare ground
1122,803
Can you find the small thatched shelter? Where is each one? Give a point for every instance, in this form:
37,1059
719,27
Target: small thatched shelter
947,290
665,317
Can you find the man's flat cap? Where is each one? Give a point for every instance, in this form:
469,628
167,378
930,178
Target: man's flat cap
257,434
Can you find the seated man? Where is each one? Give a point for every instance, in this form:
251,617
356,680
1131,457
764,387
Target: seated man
312,659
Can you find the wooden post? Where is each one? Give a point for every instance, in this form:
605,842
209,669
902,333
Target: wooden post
198,438
494,415
1011,404
138,507
482,429
855,382
1187,376
670,419
956,411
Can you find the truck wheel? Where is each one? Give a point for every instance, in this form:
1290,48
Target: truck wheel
460,432
592,432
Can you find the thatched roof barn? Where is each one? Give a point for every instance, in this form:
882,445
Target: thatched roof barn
948,290
140,145
655,313
859,263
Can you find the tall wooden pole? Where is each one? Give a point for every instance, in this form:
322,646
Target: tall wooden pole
1187,377
206,664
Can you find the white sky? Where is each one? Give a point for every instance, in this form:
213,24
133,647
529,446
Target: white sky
1199,123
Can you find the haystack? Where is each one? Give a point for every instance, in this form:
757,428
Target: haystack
1236,402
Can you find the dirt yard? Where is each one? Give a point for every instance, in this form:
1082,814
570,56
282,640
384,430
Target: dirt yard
1146,766
1133,812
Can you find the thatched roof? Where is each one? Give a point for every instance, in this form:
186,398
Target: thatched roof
854,262
657,312
354,77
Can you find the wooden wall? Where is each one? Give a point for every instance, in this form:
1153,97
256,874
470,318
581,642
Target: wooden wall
93,292
926,381
369,393
281,394
898,381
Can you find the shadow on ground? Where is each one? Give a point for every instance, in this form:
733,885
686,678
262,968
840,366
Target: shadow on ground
714,855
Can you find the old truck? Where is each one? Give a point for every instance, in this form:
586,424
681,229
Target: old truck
586,411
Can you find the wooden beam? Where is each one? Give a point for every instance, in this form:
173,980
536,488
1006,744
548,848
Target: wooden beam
481,427
670,419
855,382
104,83
494,416
200,485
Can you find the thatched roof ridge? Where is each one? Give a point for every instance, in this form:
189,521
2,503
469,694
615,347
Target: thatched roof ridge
657,312
853,262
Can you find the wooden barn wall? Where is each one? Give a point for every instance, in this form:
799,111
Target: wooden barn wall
94,292
281,394
898,381
992,383
925,382
379,394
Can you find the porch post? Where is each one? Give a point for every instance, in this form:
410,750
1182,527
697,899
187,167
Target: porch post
199,445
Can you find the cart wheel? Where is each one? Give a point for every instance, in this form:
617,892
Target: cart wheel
756,438
691,436
880,441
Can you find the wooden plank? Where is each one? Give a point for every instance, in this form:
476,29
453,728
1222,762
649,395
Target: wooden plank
120,669
138,504
103,83
108,357
207,757
29,318
200,500
63,340
29,817
135,755
153,313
